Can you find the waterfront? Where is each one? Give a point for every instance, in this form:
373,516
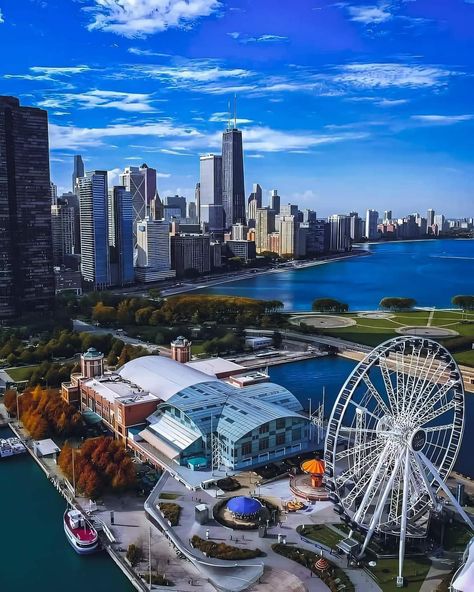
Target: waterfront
413,269
306,380
35,553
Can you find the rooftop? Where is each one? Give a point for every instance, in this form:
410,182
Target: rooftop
113,387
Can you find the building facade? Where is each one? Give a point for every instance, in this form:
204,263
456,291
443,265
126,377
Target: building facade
340,233
190,254
371,224
233,186
121,236
26,254
153,251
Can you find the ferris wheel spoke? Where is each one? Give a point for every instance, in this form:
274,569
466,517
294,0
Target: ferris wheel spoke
349,451
354,471
411,377
375,394
439,428
357,406
424,373
431,412
387,379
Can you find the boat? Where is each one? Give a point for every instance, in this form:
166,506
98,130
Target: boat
11,447
80,533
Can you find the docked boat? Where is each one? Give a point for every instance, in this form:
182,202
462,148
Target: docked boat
80,533
11,447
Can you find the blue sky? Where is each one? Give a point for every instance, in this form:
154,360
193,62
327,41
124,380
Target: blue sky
344,105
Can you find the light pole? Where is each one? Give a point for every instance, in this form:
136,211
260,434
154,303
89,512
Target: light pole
18,395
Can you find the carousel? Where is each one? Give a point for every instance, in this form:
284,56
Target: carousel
308,484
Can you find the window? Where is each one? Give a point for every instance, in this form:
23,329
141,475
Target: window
296,435
263,429
280,424
280,439
246,448
263,444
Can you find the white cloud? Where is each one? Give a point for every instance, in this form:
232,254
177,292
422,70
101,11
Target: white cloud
140,18
104,99
391,102
75,138
147,52
254,156
50,73
442,119
200,71
2,20
386,75
174,152
163,175
370,15
113,176
224,117
267,38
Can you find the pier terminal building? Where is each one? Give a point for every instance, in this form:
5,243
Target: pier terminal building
194,414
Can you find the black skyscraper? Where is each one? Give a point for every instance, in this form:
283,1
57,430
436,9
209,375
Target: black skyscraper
233,190
78,170
26,272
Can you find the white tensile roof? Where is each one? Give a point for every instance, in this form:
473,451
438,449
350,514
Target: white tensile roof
214,366
161,376
464,581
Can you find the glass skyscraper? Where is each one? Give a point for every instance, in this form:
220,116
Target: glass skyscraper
26,269
233,188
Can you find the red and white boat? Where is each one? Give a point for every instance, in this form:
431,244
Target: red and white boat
82,535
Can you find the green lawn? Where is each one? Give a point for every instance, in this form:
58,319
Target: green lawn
414,570
321,534
456,537
21,372
465,357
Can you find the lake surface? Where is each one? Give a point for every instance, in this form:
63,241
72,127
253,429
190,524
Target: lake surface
432,272
35,555
308,378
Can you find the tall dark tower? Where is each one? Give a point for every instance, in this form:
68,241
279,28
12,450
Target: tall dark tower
78,170
233,187
26,268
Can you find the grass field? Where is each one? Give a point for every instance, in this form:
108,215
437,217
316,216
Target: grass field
415,571
21,372
321,534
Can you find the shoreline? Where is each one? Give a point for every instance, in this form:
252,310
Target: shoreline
250,275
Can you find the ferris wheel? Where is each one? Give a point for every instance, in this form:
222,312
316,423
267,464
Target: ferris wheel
392,439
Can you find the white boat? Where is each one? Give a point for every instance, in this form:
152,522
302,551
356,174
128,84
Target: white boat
80,533
11,447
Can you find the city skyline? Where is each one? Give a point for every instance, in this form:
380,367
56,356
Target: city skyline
373,98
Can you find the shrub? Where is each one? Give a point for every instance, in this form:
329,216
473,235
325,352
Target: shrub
397,303
329,305
171,512
466,302
134,554
224,551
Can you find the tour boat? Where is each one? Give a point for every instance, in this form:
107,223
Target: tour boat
82,536
11,447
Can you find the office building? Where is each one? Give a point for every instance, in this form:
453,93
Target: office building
233,187
190,254
94,208
153,251
141,183
26,255
210,180
121,237
212,219
292,242
357,227
317,236
430,217
244,249
63,231
387,216
176,202
254,202
288,210
264,225
340,233
192,213
239,232
275,201
78,171
371,223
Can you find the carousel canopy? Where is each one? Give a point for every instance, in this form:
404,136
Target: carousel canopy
313,466
244,506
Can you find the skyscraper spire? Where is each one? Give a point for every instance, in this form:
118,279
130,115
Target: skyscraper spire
235,110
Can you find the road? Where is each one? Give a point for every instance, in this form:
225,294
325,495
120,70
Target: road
82,327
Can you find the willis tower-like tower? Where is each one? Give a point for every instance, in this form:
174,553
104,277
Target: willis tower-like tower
233,189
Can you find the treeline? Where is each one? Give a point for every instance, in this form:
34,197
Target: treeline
101,465
195,308
44,414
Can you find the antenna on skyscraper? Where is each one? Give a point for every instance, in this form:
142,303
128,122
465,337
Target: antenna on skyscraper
229,123
235,110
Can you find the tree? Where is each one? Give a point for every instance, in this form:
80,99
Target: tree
154,293
329,305
134,555
465,302
397,303
277,339
104,314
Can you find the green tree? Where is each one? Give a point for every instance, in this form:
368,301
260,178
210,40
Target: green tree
465,302
329,305
397,303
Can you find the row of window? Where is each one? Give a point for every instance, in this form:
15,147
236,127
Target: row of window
264,443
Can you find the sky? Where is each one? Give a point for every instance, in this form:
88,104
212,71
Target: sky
343,105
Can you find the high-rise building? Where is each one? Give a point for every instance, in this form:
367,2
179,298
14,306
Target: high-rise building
121,236
387,216
156,208
78,171
309,216
233,187
288,210
264,225
63,231
153,251
292,237
430,218
93,203
141,182
357,227
239,231
210,179
197,199
212,218
275,201
176,202
190,254
254,202
340,233
317,236
371,223
26,258
71,199
54,193
192,212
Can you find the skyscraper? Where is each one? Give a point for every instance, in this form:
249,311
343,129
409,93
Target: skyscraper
233,187
63,230
340,232
153,251
264,225
121,246
141,182
78,170
254,202
275,201
430,218
371,223
26,270
210,179
93,203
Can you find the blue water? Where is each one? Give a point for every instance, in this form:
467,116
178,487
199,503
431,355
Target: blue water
35,555
307,379
432,272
